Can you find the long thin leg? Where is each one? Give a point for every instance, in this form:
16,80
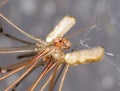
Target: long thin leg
21,77
17,65
45,71
21,49
58,76
45,84
14,67
26,55
12,72
54,83
48,80
53,77
63,78
15,38
25,77
35,60
24,63
23,32
16,70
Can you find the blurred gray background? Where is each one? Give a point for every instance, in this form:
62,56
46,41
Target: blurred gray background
98,23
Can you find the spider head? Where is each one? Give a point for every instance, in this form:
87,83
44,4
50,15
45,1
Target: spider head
62,43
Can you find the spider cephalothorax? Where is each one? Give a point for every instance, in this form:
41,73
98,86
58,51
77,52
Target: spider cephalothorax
62,43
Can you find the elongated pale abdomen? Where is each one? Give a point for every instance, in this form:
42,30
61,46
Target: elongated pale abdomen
64,26
85,56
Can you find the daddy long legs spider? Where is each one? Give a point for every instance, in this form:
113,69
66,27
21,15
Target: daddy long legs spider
49,53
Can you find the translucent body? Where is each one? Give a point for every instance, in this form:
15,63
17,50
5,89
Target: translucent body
85,56
64,26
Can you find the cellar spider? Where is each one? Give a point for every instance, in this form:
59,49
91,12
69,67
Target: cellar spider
48,53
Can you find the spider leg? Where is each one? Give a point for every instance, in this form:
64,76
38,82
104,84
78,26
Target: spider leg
11,73
16,66
45,71
65,68
58,76
26,55
45,84
36,59
63,77
20,30
53,76
20,49
15,38
48,80
39,64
